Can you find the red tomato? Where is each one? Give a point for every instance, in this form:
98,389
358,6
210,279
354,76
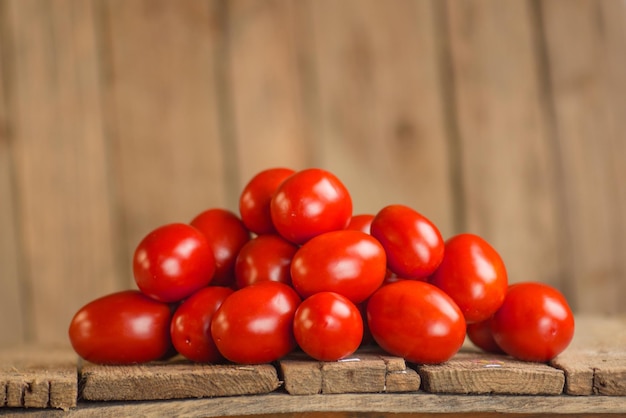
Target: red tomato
255,324
172,262
191,324
480,334
413,244
264,258
534,323
351,263
254,202
473,274
328,327
309,203
121,328
226,234
361,223
417,321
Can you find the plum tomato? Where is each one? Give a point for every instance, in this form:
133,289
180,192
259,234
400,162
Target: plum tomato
172,262
473,274
191,324
351,263
361,222
264,258
122,328
479,333
254,201
413,243
255,324
417,321
534,323
308,203
328,327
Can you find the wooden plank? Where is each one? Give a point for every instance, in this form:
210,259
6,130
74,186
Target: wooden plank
174,380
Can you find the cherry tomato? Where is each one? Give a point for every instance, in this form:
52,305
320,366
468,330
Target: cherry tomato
535,322
255,324
172,262
191,325
254,201
226,234
362,222
121,328
309,203
417,321
473,275
328,327
480,334
413,244
264,258
351,263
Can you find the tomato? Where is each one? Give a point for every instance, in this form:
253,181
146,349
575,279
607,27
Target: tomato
121,328
309,203
362,222
255,324
480,334
172,262
328,327
474,275
413,243
535,322
254,201
191,325
351,263
417,321
264,258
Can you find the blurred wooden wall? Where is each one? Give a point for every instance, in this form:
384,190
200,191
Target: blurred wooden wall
502,118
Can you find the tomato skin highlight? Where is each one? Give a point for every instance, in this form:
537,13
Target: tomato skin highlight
264,258
535,322
121,328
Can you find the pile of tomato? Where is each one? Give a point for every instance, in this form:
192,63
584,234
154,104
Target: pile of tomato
296,270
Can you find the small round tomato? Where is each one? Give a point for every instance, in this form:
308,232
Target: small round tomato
362,222
413,243
226,234
417,321
264,258
351,263
172,262
255,324
328,327
535,322
254,201
479,333
121,328
309,203
473,275
191,325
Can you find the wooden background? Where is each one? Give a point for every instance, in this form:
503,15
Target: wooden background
502,118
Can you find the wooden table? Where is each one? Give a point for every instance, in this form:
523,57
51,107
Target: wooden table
586,380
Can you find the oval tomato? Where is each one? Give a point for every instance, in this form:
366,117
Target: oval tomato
351,263
479,333
328,327
172,262
473,275
121,328
191,325
264,258
534,323
255,324
413,243
309,203
417,321
362,222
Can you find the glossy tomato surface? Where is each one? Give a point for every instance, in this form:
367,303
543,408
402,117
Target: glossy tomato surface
226,234
172,262
351,263
255,324
361,222
328,327
264,258
191,325
474,275
309,203
479,333
413,243
535,322
417,321
121,328
254,201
